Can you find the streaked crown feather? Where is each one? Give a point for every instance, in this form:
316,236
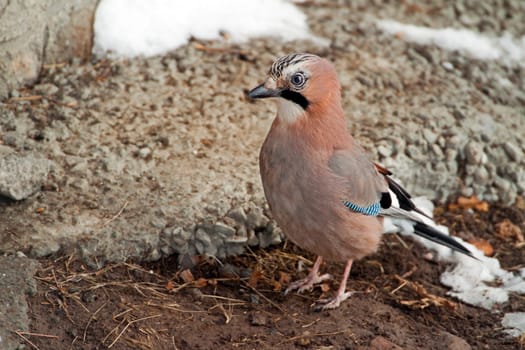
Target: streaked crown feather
282,63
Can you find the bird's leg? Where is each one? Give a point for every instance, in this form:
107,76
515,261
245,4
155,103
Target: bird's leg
313,278
341,294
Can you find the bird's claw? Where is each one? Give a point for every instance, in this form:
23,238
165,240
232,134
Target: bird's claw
332,303
307,284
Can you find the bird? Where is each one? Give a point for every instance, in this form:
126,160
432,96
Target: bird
322,188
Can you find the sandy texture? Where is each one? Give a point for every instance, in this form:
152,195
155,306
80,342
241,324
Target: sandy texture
150,155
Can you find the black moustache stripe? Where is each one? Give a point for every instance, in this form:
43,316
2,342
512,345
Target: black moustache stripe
295,97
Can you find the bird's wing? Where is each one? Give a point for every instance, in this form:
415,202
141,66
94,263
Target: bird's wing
368,183
398,195
403,208
371,191
364,185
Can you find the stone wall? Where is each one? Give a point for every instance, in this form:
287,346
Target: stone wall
38,32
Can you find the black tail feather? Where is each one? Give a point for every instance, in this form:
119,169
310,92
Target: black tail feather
403,197
434,235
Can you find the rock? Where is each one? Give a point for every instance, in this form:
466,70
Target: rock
455,142
238,215
256,218
452,166
448,66
258,319
474,152
430,136
452,342
177,238
5,151
253,240
520,180
414,152
33,32
80,184
481,176
228,270
428,52
384,151
437,151
203,243
22,42
158,222
466,191
451,154
513,151
502,184
223,230
458,114
508,197
44,248
271,236
16,280
70,30
144,152
381,343
46,89
22,175
230,250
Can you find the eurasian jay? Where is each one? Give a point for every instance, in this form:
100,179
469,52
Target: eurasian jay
322,189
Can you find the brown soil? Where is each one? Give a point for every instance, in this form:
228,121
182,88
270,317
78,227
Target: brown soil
239,304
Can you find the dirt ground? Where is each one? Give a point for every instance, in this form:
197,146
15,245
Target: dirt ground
238,303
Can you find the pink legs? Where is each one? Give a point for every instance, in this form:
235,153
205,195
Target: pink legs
313,278
341,294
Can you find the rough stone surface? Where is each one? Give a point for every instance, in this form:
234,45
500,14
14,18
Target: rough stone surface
158,156
453,342
22,39
16,280
70,28
381,343
22,175
37,32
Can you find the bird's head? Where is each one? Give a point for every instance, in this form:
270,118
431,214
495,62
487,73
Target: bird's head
301,83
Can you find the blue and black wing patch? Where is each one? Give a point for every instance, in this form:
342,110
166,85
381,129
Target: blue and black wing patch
371,210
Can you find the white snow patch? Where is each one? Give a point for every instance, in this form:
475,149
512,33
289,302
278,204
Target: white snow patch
128,28
505,48
468,277
514,322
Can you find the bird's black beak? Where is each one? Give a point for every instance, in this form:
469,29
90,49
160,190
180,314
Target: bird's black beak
262,92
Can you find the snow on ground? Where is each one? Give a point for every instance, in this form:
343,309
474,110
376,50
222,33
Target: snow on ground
505,48
470,279
514,322
128,28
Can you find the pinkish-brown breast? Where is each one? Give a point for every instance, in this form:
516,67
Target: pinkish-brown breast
305,197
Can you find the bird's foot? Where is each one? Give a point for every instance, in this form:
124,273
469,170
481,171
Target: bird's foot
308,283
332,303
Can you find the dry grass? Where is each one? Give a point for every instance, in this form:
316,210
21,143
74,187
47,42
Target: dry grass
140,324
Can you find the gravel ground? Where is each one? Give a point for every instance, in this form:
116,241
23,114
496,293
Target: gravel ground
148,157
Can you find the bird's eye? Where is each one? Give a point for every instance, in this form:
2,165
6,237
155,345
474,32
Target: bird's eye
298,79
